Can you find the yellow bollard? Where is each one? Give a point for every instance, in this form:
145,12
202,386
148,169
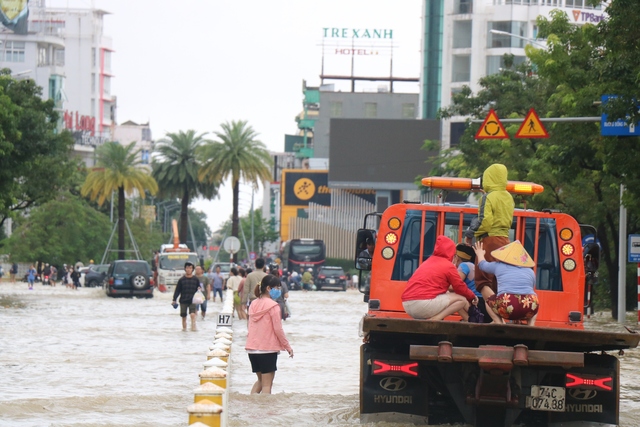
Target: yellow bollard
214,375
219,353
205,412
209,391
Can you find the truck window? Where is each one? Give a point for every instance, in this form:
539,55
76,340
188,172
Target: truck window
548,277
408,257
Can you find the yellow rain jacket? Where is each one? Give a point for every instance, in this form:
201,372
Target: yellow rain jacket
495,213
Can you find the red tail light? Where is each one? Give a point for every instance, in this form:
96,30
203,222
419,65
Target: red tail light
342,277
151,282
380,367
322,276
590,381
111,280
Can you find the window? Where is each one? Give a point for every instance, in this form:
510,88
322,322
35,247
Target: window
370,110
517,28
456,130
93,83
336,108
496,63
461,68
462,6
106,86
107,61
43,56
144,157
106,112
407,260
409,111
548,275
58,57
13,51
55,90
461,34
93,57
146,134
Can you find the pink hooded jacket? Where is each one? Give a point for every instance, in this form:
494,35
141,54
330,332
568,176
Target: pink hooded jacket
265,327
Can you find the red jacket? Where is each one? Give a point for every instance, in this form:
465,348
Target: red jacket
434,276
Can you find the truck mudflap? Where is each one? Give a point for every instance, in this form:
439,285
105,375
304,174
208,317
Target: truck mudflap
489,385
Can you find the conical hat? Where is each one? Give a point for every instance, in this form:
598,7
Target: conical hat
513,253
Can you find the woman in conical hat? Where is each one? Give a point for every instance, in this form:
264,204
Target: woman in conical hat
516,298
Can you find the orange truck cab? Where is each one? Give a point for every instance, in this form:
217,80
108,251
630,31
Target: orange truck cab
449,371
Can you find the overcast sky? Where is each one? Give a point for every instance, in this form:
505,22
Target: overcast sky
194,64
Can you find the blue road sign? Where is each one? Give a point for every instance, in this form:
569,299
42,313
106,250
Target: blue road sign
633,249
617,128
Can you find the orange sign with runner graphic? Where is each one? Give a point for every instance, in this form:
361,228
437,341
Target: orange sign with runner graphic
491,128
532,127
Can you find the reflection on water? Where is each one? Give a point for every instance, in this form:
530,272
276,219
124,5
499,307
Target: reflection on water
77,358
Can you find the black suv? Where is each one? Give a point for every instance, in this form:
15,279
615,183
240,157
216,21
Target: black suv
129,278
95,275
331,278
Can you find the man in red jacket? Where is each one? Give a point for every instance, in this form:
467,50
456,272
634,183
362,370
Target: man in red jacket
427,293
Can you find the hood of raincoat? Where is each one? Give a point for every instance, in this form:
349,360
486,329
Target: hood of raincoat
494,178
263,305
444,248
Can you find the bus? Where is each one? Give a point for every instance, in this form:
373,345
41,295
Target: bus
303,253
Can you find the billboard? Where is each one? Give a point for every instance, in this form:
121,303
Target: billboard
14,14
299,187
384,154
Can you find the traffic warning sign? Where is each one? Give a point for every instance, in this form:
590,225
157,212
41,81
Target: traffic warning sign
532,127
491,128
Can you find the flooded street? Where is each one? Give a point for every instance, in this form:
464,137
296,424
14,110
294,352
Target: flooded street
78,358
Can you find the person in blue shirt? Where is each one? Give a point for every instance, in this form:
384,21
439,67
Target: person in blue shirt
218,282
464,260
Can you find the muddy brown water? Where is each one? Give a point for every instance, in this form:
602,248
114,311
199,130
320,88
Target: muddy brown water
78,358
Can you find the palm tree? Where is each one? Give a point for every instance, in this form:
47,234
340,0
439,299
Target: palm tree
117,168
176,168
238,154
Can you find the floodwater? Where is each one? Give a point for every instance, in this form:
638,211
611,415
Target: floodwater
78,358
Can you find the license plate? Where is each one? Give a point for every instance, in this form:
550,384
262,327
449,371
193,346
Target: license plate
119,281
546,398
332,281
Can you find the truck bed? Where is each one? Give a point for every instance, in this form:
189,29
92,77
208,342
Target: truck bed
463,334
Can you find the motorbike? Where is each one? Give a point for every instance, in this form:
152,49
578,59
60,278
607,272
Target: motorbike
46,281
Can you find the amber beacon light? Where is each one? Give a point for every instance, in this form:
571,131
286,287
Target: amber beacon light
468,184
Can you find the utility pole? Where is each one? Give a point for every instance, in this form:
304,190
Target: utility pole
251,221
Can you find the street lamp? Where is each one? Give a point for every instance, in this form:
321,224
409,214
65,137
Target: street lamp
504,33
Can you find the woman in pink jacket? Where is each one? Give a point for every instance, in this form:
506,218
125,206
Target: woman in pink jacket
265,338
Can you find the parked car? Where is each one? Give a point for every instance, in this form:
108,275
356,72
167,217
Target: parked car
332,278
129,278
94,275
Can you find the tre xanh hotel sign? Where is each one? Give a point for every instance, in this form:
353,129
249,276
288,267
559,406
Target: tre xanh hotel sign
357,33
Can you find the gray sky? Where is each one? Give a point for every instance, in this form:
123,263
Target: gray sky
194,64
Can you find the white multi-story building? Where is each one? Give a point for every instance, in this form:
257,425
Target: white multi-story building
67,54
465,40
129,132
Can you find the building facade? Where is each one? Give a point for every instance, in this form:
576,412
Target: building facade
465,40
67,54
140,134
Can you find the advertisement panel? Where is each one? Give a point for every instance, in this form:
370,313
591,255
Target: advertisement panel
385,154
14,14
301,187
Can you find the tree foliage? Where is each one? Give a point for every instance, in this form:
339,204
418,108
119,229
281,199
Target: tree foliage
237,154
176,167
60,231
35,160
117,169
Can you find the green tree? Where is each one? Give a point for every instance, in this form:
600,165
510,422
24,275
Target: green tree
35,160
239,155
176,169
62,230
117,169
